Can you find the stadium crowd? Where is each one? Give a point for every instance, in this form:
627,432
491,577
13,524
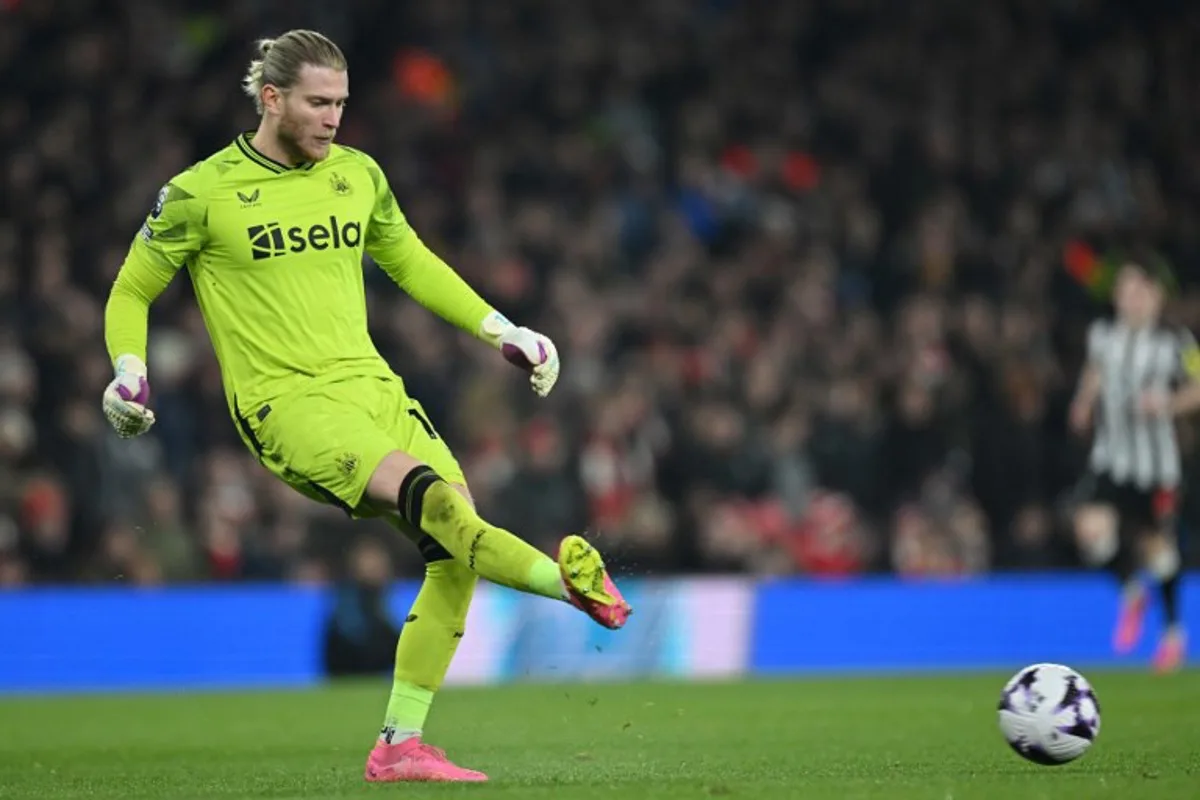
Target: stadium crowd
811,266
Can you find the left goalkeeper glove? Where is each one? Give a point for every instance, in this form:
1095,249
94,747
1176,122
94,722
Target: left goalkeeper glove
126,397
529,350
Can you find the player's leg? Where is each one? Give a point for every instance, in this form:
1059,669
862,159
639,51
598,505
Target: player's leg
428,641
1105,539
1131,615
1102,544
326,444
1098,540
359,443
416,481
454,558
1163,563
1160,555
435,625
428,502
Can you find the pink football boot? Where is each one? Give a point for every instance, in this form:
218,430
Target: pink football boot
413,760
1171,652
1129,621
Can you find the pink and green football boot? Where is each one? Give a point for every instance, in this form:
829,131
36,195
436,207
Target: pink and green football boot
589,587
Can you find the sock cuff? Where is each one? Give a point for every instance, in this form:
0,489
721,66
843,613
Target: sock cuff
406,711
412,493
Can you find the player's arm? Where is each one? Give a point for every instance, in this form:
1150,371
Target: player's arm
172,234
399,251
423,275
1186,398
1088,389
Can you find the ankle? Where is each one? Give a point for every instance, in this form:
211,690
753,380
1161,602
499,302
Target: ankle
391,737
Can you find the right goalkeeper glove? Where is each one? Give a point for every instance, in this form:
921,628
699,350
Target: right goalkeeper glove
125,398
529,350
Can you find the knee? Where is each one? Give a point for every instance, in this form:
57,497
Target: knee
440,502
1162,558
1096,534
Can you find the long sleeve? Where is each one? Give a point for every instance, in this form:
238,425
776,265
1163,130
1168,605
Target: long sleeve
399,251
174,232
127,312
431,282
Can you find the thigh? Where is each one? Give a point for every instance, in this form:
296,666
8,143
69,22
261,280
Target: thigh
1098,503
414,434
1105,493
326,443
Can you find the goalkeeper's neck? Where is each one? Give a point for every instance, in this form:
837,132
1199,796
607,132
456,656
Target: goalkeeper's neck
267,141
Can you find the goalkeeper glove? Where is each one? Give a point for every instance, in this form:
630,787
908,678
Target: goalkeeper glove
529,350
125,398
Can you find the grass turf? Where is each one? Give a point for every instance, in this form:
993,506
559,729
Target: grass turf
921,737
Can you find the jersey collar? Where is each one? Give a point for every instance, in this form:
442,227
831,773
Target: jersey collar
252,153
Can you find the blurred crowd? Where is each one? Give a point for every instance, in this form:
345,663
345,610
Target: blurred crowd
804,263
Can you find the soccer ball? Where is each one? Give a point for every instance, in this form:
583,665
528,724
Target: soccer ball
1049,714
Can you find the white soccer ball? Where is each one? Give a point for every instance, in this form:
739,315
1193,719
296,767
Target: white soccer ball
1049,714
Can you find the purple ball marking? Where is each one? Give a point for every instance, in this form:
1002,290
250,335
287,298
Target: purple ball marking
516,356
1034,753
141,396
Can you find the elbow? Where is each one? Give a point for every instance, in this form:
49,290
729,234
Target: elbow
126,291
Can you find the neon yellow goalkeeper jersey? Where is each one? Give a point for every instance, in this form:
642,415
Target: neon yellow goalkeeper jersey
275,256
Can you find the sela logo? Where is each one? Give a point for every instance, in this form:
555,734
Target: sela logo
272,239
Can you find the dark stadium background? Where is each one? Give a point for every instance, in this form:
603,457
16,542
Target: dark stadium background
819,272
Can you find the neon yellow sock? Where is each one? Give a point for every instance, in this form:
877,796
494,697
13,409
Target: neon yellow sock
407,709
488,551
426,647
546,579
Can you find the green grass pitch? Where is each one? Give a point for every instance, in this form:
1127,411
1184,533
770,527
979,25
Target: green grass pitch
923,737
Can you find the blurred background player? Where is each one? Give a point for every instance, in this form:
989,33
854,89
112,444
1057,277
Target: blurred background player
272,230
1139,376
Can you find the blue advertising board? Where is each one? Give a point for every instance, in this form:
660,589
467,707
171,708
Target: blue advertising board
88,639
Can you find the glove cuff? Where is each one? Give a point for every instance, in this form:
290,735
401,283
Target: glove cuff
494,328
129,364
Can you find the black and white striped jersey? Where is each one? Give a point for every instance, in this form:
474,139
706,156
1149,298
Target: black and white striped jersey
1130,447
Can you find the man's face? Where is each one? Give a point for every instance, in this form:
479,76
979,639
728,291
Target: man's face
1138,299
311,111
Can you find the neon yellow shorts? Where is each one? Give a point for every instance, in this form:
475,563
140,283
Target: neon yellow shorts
326,442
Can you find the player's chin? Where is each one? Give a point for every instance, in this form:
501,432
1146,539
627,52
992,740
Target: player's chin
319,148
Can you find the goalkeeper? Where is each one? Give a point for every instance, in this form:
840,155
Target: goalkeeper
272,231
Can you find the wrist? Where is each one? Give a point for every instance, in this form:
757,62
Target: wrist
494,328
129,364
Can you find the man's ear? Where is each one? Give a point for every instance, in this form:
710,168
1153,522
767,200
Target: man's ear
272,98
